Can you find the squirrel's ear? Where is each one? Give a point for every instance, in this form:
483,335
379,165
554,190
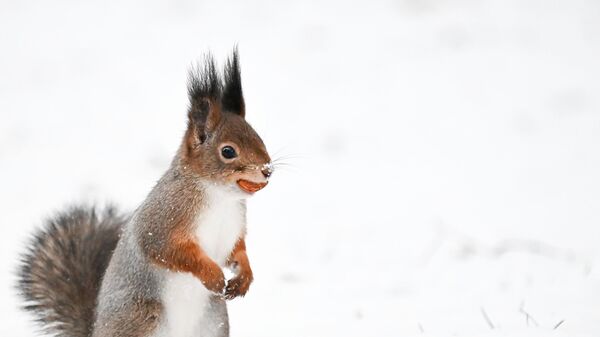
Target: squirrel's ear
204,90
233,98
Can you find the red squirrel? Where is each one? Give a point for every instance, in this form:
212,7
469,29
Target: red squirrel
165,277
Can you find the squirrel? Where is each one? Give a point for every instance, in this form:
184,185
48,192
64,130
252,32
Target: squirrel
159,271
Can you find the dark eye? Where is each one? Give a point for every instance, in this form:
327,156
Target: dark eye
228,152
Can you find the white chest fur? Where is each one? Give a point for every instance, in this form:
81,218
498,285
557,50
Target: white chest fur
188,313
221,223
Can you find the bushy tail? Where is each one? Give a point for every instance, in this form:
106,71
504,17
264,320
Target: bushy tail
60,274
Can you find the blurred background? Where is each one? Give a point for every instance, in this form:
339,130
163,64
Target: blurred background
444,156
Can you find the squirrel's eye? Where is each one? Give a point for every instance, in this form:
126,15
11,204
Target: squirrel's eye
228,152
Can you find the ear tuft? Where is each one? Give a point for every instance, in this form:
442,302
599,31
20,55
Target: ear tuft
233,98
204,91
204,83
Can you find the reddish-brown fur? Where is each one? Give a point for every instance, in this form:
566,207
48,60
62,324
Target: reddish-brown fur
183,254
239,285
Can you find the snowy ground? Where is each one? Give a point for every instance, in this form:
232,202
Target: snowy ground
444,154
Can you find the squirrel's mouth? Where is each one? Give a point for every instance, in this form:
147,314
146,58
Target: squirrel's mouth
249,186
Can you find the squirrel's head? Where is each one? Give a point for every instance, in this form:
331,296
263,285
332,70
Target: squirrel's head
219,145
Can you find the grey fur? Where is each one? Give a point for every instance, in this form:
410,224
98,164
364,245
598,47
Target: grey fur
132,282
59,275
61,272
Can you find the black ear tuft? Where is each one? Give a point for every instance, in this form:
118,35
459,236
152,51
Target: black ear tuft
204,82
233,98
204,89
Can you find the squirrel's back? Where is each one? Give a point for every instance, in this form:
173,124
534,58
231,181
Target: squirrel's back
61,272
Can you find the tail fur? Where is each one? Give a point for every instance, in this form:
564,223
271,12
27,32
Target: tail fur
60,274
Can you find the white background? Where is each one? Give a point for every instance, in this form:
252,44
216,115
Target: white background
444,155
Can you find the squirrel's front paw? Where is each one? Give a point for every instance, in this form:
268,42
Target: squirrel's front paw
212,278
238,286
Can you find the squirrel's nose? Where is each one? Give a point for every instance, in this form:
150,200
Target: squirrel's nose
267,170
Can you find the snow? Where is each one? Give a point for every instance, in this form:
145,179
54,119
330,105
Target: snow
442,155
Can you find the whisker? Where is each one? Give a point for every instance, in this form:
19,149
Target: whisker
276,165
284,161
279,151
289,156
287,168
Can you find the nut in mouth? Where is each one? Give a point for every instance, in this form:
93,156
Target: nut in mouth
249,186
